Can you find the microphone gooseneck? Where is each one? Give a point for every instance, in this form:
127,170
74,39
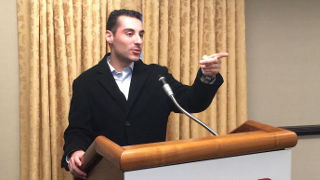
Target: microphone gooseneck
166,87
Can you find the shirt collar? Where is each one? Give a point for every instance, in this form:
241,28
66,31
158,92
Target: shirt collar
126,69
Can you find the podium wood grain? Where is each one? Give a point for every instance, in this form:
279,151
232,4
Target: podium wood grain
105,158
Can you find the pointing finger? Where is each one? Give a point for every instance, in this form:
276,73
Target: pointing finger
220,55
214,58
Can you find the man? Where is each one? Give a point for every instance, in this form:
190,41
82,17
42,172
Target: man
121,97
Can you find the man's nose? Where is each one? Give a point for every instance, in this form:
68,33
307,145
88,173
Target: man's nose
138,39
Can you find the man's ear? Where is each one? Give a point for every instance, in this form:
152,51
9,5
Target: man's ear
109,36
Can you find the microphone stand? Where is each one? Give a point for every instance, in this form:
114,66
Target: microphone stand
166,87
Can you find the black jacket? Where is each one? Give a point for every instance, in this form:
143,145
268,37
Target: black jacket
98,107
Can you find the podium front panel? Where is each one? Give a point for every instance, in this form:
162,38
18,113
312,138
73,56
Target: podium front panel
272,165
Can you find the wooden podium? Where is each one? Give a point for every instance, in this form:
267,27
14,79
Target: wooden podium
252,151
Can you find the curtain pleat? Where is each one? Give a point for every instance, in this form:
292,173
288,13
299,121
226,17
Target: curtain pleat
241,68
59,39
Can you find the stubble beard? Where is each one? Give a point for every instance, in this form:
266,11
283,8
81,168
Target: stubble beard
125,58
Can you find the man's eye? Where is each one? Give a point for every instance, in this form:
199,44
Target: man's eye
129,33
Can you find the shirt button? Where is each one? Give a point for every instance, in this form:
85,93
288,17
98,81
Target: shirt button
127,123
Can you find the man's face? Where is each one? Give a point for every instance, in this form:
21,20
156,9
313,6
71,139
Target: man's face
126,43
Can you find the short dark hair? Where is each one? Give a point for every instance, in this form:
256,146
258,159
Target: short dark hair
113,18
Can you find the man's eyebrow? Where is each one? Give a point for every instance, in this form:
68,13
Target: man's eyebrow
130,29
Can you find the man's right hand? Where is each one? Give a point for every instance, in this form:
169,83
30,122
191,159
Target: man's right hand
75,163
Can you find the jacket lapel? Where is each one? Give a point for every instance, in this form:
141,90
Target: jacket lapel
107,81
139,76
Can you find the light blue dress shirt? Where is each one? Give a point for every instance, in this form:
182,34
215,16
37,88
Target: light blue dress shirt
123,79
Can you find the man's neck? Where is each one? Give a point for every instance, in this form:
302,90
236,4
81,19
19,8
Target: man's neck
118,64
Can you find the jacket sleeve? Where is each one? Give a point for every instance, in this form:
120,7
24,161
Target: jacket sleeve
79,133
198,96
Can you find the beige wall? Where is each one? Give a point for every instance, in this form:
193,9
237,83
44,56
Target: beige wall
9,93
283,62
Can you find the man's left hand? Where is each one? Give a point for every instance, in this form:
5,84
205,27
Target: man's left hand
211,65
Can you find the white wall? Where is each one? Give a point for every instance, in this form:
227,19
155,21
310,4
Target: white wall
283,63
9,92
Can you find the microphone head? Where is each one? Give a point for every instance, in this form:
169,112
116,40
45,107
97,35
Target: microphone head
162,79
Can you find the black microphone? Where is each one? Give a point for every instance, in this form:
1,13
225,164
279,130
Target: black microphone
166,87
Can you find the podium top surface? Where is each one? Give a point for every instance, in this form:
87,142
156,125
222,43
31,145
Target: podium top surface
251,137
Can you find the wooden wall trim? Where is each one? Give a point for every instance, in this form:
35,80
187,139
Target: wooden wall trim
304,130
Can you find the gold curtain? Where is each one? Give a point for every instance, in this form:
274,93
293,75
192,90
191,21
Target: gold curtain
58,39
